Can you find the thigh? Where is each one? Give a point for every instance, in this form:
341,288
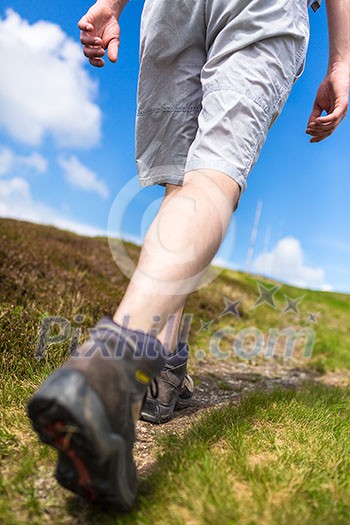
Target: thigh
172,55
255,52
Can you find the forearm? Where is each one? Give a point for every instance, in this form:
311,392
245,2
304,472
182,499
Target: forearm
338,13
116,6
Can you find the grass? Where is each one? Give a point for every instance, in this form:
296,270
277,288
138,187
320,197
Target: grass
276,458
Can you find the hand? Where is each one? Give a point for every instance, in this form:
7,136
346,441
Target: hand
333,98
100,31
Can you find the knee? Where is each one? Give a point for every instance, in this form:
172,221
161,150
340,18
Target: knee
216,184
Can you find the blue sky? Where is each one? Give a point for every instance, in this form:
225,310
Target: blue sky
67,149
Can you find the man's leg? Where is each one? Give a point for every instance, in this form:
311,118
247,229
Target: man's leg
218,118
178,247
169,334
87,408
181,242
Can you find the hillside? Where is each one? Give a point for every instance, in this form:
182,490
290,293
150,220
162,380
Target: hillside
46,272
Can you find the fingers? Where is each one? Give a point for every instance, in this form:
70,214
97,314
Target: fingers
97,36
90,40
315,113
319,137
92,45
335,117
113,48
321,127
97,62
85,25
93,51
319,133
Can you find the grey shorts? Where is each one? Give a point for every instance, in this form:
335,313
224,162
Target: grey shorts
214,76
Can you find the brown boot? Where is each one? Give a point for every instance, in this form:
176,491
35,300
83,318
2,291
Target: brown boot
171,390
87,411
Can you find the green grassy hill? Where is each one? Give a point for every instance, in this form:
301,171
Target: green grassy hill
279,458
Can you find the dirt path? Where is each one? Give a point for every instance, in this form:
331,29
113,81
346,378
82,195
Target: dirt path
217,383
222,382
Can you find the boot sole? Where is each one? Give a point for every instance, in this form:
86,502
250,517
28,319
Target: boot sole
93,461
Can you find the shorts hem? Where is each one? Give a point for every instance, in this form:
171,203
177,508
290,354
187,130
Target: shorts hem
167,174
159,180
232,172
177,179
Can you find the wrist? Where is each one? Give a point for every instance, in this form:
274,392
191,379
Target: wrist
338,64
116,6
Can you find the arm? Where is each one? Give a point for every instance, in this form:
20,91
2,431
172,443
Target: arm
100,31
333,93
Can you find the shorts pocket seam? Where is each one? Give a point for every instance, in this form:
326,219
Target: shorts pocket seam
232,87
169,109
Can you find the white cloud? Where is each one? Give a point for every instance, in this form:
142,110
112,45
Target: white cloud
6,160
9,162
16,187
327,288
16,202
44,87
81,176
286,262
34,161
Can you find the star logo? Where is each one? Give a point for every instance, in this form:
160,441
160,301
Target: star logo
313,317
231,307
266,295
292,305
205,326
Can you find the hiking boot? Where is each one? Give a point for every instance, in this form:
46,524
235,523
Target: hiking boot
171,390
88,408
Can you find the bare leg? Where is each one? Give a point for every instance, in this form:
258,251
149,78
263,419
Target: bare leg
168,335
179,245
